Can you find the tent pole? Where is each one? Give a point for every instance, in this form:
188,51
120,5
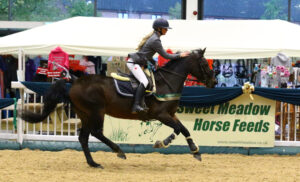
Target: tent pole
23,65
21,77
20,74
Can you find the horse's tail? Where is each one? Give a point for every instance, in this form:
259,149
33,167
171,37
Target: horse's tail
56,94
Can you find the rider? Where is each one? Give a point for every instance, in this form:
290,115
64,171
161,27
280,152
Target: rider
150,45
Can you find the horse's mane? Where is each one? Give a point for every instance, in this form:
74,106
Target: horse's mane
176,61
171,62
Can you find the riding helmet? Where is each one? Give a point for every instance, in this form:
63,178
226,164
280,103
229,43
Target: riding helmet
161,23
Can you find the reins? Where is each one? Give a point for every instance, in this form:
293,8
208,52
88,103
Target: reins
174,73
179,75
166,81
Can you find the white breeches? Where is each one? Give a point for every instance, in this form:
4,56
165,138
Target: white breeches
137,71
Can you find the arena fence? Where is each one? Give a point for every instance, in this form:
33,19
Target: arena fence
60,125
63,123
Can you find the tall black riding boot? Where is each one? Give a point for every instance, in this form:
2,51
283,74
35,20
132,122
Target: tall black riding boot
139,94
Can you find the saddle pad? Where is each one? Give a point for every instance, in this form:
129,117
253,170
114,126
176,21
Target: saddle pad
124,88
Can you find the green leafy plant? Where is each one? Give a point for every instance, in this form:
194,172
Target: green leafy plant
175,12
119,135
275,9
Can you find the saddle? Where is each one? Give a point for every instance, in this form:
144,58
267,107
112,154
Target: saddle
126,84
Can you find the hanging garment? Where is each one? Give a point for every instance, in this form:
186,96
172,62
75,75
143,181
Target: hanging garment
264,78
281,60
29,70
38,61
60,57
227,77
97,60
216,67
1,84
240,69
3,65
10,74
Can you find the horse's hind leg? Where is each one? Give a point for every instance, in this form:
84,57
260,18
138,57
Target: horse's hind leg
84,139
109,143
97,132
84,134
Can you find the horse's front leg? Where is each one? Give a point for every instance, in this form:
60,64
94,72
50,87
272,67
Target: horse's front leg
167,119
193,147
178,127
166,142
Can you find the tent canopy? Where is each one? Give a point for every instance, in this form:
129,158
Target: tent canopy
230,39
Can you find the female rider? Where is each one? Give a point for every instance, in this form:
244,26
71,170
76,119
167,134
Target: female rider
150,45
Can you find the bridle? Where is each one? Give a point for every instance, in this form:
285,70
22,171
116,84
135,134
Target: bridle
179,75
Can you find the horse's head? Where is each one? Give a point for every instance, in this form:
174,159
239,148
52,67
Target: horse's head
199,68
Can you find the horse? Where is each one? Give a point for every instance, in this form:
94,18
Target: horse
93,96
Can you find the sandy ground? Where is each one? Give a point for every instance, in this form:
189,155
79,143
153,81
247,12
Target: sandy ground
70,166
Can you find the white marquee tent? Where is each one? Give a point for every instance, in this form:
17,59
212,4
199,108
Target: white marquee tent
118,37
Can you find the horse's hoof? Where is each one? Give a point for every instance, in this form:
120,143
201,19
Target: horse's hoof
158,144
100,167
197,156
121,155
95,165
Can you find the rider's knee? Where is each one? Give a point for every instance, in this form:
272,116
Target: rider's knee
145,83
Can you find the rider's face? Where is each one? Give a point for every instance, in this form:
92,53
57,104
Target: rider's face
164,31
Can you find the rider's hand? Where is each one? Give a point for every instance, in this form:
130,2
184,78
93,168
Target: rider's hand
184,54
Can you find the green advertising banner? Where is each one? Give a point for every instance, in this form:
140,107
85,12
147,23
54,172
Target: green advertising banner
242,122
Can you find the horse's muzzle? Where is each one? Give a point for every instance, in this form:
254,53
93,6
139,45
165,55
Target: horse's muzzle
211,83
215,82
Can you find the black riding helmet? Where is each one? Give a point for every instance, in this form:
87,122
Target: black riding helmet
160,23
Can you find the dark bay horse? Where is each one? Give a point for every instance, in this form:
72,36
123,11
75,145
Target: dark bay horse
93,96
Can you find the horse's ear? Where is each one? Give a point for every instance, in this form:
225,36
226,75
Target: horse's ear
202,51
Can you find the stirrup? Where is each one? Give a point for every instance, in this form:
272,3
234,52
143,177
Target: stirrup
146,109
137,109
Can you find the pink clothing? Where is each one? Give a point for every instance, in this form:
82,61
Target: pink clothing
60,57
90,66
